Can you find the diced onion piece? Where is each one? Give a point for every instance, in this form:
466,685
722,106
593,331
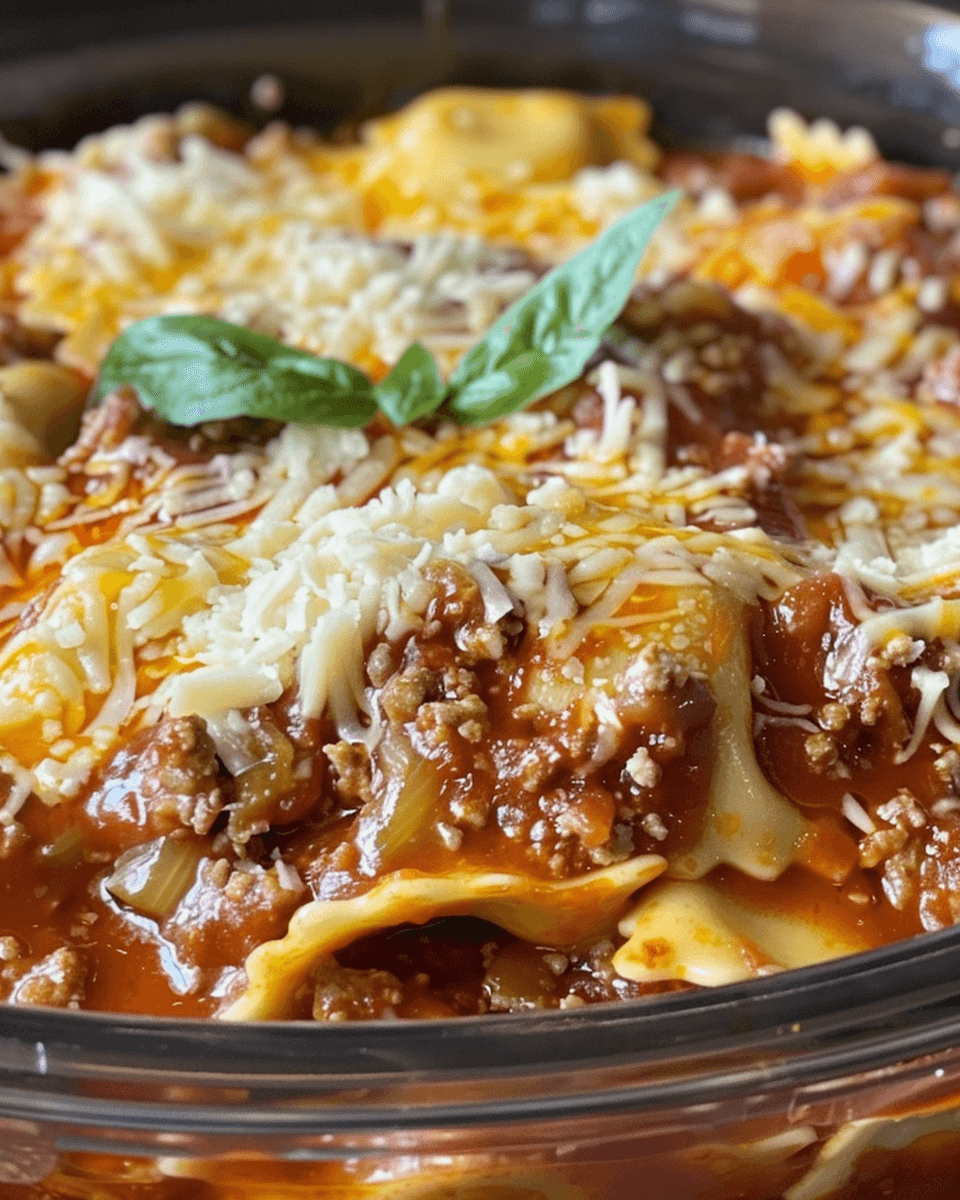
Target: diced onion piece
154,877
415,784
261,785
66,850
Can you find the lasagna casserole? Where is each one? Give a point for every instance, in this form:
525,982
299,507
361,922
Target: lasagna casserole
648,685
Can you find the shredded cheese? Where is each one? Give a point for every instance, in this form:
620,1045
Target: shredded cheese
138,583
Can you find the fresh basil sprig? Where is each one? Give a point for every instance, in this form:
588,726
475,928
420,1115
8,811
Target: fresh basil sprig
413,389
561,319
190,368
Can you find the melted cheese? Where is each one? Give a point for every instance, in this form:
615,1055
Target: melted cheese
207,588
258,573
937,618
297,239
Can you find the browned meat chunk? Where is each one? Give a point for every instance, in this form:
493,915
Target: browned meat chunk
165,777
744,176
229,910
351,765
349,994
18,341
57,980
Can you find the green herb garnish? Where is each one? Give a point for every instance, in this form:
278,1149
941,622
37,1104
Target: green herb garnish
413,389
192,369
561,319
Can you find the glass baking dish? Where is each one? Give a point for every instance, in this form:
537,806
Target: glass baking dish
839,1080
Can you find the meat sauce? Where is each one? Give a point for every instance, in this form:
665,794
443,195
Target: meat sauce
509,769
147,892
902,869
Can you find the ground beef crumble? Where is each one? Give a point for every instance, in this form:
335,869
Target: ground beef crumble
57,980
352,772
351,994
901,809
164,778
231,907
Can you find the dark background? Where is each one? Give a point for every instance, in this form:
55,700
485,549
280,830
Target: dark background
70,68
36,26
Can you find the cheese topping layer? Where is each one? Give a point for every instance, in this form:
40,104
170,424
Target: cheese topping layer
690,625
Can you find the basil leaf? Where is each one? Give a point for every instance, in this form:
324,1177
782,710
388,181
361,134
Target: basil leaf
191,369
414,388
562,318
509,387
